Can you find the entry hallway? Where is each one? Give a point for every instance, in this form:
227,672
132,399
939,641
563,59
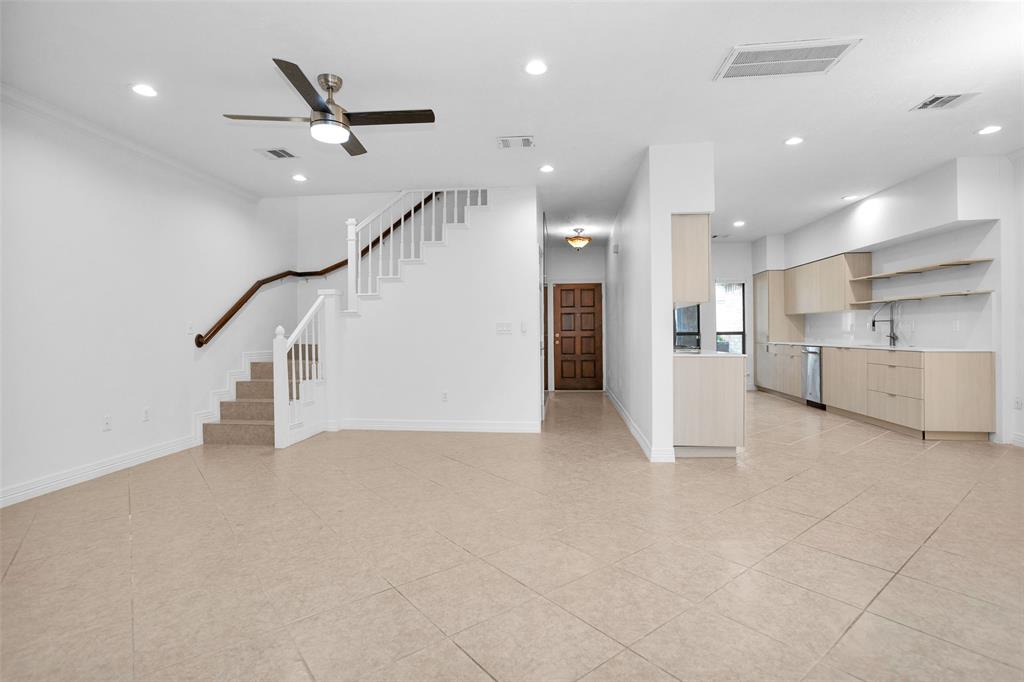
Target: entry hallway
830,549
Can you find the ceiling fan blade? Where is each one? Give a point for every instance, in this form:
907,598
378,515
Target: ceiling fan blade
354,147
302,85
288,119
382,118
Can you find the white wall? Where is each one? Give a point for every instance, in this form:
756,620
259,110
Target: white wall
109,254
322,237
433,331
628,308
731,263
562,263
1017,333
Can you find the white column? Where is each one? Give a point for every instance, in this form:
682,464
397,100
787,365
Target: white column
282,415
353,265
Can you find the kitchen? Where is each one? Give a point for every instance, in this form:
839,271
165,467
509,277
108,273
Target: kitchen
887,311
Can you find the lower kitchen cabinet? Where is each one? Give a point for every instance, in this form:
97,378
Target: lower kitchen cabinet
844,378
780,367
943,395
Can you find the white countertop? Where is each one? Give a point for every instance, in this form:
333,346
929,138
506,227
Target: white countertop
912,349
691,354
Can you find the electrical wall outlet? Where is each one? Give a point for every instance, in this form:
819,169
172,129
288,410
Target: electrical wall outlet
145,414
956,325
107,422
444,396
1018,404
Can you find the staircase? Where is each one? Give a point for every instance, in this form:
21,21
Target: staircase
377,248
249,418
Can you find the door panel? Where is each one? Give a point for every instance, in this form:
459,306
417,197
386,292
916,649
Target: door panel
578,329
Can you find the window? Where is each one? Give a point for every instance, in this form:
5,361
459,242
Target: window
729,317
687,328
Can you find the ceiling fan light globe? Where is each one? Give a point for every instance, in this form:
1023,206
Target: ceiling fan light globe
329,132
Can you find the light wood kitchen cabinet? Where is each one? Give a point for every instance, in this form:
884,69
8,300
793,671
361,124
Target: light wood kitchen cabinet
959,393
896,380
844,378
709,401
691,259
896,409
764,367
790,370
824,285
942,395
771,323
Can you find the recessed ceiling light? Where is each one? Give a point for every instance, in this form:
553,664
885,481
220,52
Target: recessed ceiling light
851,197
988,130
794,141
536,67
299,177
547,168
144,90
739,223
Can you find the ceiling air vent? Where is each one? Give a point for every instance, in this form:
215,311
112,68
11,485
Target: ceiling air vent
943,101
785,59
516,142
275,154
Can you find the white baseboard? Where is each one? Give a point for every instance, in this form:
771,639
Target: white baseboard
68,477
1018,440
436,425
652,454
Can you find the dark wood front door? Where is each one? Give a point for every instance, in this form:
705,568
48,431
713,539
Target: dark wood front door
578,336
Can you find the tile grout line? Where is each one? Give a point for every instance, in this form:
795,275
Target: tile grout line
889,581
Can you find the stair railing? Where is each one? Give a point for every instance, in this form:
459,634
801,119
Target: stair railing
299,371
418,217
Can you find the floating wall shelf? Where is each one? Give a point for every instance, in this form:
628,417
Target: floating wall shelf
923,268
922,297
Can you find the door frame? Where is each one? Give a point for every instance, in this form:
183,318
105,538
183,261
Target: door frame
550,340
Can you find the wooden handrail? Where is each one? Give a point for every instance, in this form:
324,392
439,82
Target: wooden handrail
203,339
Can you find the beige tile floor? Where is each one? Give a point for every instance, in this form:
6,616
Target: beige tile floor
830,550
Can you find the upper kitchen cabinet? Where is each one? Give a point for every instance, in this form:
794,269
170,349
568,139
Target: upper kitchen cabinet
771,323
691,259
825,285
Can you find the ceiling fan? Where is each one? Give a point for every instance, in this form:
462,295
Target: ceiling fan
329,122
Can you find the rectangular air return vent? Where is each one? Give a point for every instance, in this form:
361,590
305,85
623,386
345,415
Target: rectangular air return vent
275,154
516,142
943,101
785,59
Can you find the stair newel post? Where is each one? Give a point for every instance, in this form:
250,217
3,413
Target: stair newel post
353,264
282,418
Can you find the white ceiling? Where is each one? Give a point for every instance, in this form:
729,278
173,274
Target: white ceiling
621,76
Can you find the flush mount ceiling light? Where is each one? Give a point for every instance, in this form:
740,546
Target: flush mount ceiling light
144,90
299,177
536,67
578,241
739,223
793,141
329,131
851,197
547,168
988,130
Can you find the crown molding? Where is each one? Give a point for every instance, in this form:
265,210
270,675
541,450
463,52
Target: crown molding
38,107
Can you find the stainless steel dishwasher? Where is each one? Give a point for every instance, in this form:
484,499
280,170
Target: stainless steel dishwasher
812,375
